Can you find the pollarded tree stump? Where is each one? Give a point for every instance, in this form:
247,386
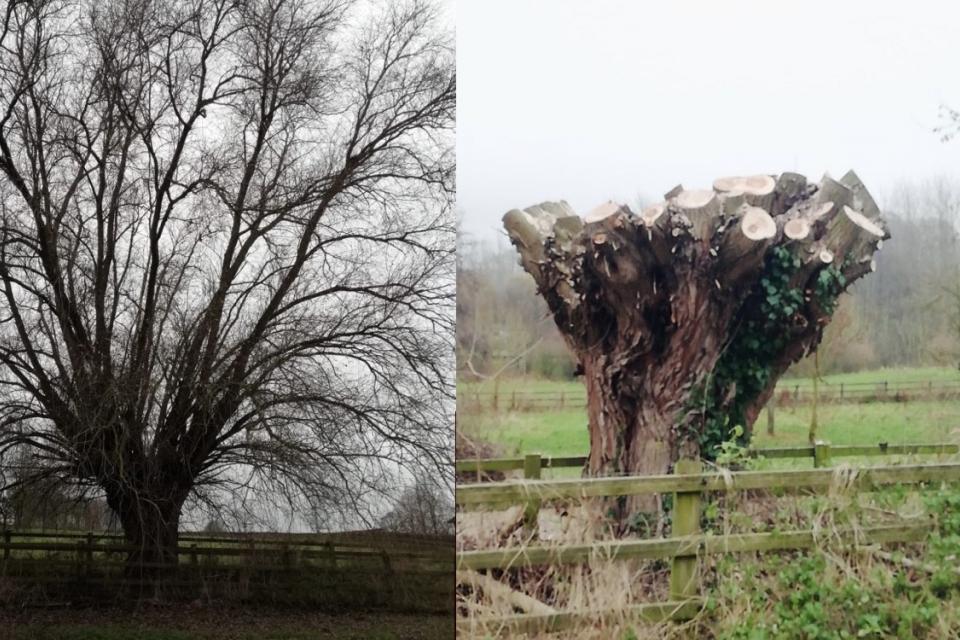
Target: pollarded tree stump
684,316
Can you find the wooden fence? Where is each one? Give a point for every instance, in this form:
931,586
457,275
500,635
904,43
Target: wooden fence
687,543
821,453
241,544
787,391
394,574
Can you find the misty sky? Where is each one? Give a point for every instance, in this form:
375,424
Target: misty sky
589,101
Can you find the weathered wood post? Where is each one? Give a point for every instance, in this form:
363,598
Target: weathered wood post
88,556
331,552
686,521
770,416
821,454
841,391
531,471
6,549
388,575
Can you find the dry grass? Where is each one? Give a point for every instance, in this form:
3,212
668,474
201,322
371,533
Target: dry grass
615,586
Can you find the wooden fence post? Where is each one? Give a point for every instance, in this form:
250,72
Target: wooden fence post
388,571
89,554
841,391
531,471
821,454
771,404
686,521
332,552
6,549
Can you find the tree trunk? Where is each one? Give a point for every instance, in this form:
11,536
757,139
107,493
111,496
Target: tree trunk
151,527
684,318
627,436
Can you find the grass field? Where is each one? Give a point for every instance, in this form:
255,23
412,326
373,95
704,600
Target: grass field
565,432
875,376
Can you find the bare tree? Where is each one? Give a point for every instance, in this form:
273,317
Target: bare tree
422,508
225,250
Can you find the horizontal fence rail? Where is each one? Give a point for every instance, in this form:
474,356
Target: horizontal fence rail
652,612
364,540
109,544
683,546
469,495
877,391
480,465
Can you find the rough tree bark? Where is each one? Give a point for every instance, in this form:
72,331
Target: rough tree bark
683,317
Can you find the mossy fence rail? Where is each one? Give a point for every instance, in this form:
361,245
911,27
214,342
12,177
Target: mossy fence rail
787,392
392,573
687,543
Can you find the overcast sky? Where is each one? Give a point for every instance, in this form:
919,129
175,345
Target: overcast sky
590,101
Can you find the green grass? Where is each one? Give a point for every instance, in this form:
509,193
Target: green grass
565,432
557,433
892,422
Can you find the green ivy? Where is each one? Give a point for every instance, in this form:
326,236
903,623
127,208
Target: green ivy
830,282
745,366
